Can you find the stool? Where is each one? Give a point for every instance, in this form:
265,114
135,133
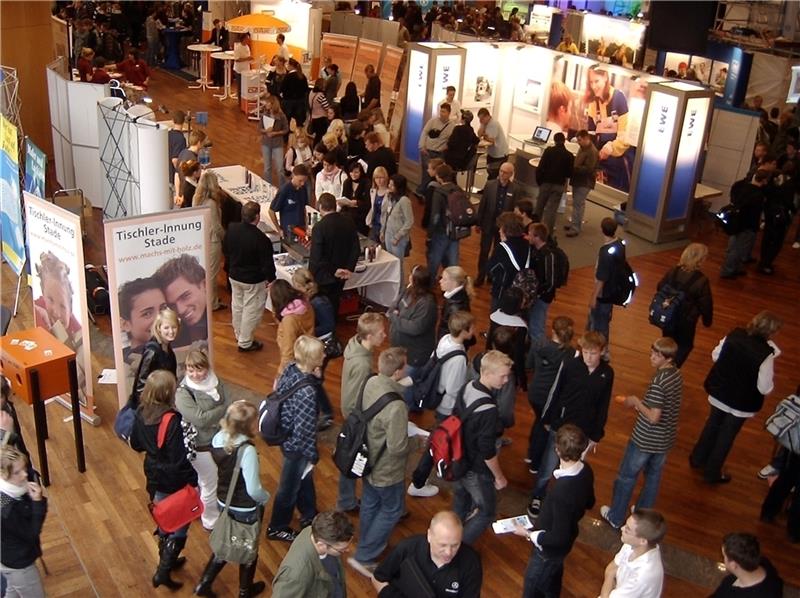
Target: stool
40,372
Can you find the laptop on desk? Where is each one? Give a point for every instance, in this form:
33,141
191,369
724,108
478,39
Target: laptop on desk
541,135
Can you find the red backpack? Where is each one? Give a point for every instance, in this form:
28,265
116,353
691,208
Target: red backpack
447,442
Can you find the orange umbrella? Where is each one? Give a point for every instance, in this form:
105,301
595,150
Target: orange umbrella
257,23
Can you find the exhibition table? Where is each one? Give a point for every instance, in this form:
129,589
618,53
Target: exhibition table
203,50
227,57
172,47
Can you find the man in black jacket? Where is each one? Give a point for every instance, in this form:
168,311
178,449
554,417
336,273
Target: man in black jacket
511,255
555,167
334,250
378,155
484,477
442,247
499,195
543,264
248,256
748,196
556,528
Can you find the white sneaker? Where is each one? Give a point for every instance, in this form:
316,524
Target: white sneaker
767,471
796,245
426,491
604,511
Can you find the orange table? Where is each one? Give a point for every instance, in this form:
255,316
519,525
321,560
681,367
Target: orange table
40,371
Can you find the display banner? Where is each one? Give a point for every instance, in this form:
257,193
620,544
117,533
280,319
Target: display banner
415,109
154,261
690,145
446,73
11,229
35,168
58,284
656,143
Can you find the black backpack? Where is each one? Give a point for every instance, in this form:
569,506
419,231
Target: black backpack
461,214
525,279
269,413
351,454
560,264
426,393
622,284
665,307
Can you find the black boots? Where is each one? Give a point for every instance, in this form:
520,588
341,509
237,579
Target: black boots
247,588
168,550
213,567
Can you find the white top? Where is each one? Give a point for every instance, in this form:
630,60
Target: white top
283,52
642,577
241,51
499,148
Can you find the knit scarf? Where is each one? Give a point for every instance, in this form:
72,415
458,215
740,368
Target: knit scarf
12,490
208,386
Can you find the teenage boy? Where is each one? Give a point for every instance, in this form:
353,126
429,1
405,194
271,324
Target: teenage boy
653,434
751,575
581,397
637,570
451,380
556,527
442,248
543,263
357,366
611,256
477,489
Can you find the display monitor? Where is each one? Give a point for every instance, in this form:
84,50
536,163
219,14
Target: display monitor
541,134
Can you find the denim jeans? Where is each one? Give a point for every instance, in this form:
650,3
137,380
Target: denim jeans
293,490
548,465
547,203
475,490
543,576
442,251
600,319
399,251
739,248
715,442
381,509
347,499
273,163
537,319
179,533
634,462
408,395
579,195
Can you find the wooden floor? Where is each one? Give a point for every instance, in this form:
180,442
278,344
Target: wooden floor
97,540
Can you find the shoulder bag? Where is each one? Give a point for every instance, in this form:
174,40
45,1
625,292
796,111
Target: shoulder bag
233,541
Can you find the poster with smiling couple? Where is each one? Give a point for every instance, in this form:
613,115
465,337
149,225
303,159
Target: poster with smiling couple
154,262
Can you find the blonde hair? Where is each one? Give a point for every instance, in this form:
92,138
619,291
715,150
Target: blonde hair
369,322
8,457
494,360
693,256
380,171
764,324
592,340
197,136
207,189
198,359
238,419
165,315
391,360
159,388
330,141
337,128
458,275
666,347
50,265
303,281
459,322
308,353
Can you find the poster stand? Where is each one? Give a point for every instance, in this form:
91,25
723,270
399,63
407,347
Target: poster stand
19,287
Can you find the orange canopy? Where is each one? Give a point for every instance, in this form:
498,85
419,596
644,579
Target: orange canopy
257,23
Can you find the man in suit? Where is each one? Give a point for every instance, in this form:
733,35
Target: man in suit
219,37
499,195
334,250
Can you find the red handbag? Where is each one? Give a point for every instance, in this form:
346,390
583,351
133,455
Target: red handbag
179,508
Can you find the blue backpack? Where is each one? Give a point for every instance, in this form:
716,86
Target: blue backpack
426,393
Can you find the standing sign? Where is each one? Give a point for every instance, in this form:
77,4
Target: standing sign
690,147
35,168
11,220
58,284
155,261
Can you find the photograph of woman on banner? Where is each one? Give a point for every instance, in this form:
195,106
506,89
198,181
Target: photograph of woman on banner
140,300
559,109
53,309
607,116
183,281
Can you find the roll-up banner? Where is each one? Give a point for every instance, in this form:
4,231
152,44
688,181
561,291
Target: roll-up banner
11,229
35,168
58,284
158,260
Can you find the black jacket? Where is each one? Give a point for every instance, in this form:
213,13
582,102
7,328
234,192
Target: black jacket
697,300
294,86
749,198
458,302
22,521
487,217
437,221
382,156
543,263
167,469
555,166
733,378
480,430
248,254
501,269
547,358
154,357
361,195
562,509
334,245
462,145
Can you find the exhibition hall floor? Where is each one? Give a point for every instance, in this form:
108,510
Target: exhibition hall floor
97,539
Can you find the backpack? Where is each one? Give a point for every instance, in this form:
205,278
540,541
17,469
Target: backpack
622,284
123,422
560,264
426,393
351,454
269,413
730,219
525,279
447,440
784,424
665,307
461,214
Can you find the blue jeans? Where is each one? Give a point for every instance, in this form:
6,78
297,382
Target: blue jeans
399,251
442,250
537,319
739,248
347,499
381,509
600,319
548,465
475,490
293,490
633,463
273,163
412,371
179,533
543,576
